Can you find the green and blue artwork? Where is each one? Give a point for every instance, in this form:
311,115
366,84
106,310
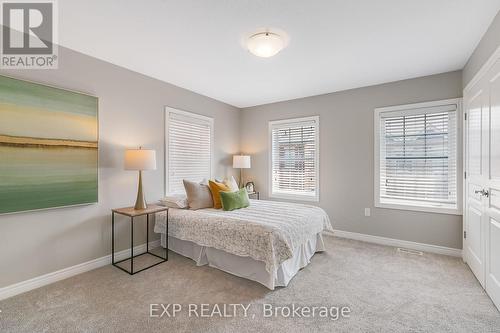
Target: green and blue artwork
48,147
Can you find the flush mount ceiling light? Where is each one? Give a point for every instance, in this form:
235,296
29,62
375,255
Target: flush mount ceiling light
265,44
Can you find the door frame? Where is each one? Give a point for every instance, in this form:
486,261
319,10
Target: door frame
465,166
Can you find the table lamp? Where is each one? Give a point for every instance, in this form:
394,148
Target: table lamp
241,162
140,160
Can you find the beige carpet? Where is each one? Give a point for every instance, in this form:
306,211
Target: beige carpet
386,291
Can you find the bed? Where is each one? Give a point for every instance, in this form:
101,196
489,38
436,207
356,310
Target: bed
267,242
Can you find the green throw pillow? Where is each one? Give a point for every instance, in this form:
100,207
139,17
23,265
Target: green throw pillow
234,200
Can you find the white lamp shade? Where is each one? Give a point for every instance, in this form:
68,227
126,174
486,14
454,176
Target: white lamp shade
241,161
140,159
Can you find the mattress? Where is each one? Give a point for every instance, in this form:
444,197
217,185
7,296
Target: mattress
266,231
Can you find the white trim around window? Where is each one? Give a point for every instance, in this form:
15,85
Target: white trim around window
297,189
198,122
454,108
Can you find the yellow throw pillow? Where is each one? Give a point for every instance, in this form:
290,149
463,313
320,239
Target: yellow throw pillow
216,188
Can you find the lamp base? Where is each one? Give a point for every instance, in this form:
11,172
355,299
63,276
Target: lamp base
140,202
241,179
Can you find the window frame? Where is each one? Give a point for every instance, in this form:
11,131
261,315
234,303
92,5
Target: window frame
210,120
458,157
287,122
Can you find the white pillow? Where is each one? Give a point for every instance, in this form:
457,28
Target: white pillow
231,183
175,201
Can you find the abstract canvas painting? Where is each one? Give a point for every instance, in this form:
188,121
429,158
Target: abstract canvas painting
48,147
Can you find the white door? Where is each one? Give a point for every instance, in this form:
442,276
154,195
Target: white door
474,240
482,185
492,201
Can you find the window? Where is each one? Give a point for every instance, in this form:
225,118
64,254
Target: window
188,146
294,156
416,157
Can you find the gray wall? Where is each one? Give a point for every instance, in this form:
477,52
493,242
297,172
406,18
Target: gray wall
346,156
131,114
488,44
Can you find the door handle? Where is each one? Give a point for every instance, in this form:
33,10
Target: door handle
483,192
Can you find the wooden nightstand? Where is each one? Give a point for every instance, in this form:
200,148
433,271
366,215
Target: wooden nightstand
254,195
132,213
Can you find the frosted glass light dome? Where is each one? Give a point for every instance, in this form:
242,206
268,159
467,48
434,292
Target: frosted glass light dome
265,44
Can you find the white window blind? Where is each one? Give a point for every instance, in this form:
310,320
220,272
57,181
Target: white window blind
418,157
294,158
189,148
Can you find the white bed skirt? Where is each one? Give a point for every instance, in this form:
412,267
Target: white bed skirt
247,267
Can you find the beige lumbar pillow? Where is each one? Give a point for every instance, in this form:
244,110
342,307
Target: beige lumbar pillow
198,195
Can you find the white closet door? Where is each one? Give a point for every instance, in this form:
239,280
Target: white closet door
474,243
492,211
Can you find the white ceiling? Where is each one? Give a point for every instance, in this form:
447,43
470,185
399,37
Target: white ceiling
334,44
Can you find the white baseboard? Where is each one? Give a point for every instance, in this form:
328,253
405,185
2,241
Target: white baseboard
398,243
39,281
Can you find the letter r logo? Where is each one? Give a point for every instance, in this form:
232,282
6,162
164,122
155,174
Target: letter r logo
28,27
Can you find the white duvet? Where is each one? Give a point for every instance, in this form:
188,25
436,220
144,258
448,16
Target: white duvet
267,231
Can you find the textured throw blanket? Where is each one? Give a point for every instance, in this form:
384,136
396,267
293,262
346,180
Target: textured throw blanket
267,231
